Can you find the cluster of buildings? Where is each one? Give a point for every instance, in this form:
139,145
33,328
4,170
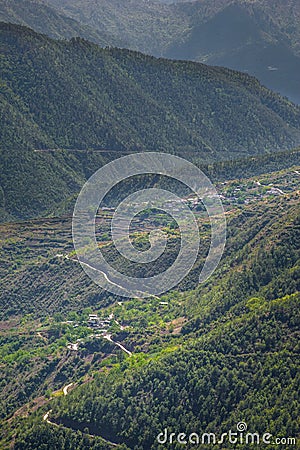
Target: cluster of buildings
101,324
95,322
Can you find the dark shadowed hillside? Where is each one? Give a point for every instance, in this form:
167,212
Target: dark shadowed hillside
248,37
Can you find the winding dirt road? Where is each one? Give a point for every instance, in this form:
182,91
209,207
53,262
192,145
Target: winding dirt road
65,389
108,337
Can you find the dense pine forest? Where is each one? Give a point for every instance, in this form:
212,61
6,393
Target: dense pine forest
75,96
258,37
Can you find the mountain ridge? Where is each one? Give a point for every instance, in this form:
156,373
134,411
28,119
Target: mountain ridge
75,95
185,30
41,17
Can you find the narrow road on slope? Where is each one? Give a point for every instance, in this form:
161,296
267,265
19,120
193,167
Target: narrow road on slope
107,279
65,389
105,276
108,337
100,271
47,420
93,268
45,416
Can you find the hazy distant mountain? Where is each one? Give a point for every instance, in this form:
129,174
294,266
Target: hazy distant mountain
146,26
245,36
45,19
258,37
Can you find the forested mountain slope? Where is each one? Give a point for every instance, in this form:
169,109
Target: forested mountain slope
258,37
76,96
246,368
234,359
